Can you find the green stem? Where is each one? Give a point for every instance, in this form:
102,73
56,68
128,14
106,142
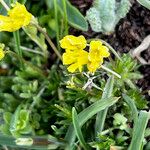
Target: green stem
18,49
111,71
111,49
65,17
56,20
36,100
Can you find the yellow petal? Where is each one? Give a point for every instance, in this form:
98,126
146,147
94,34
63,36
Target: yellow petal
6,24
95,45
69,58
83,57
73,43
17,17
93,66
104,51
72,68
20,13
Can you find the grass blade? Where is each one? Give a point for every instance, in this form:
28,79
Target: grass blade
101,116
139,130
131,104
77,129
87,113
18,49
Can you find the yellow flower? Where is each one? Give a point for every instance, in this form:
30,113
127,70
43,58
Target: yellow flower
73,43
17,17
76,59
2,54
96,54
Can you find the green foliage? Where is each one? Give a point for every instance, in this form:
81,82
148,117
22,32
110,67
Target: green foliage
77,128
32,32
105,142
127,68
19,123
138,131
105,14
42,99
16,124
72,14
120,120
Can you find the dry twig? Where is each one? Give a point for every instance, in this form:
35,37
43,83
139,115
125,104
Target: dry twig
136,53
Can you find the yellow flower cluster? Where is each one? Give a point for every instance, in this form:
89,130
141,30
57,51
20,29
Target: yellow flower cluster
77,57
17,17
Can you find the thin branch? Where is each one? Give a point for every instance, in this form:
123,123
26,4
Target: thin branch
136,53
31,50
49,41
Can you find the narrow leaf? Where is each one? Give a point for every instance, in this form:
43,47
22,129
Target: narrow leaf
101,116
87,113
139,130
132,106
77,128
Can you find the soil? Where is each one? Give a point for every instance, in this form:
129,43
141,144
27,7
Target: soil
129,33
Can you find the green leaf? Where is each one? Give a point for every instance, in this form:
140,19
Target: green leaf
101,116
87,113
132,106
120,120
7,117
139,131
145,3
77,128
39,39
75,18
20,122
22,1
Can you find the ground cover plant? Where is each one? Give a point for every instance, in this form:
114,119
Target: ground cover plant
71,74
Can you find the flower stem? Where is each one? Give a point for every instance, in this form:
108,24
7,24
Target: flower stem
49,41
111,48
18,49
111,71
4,5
